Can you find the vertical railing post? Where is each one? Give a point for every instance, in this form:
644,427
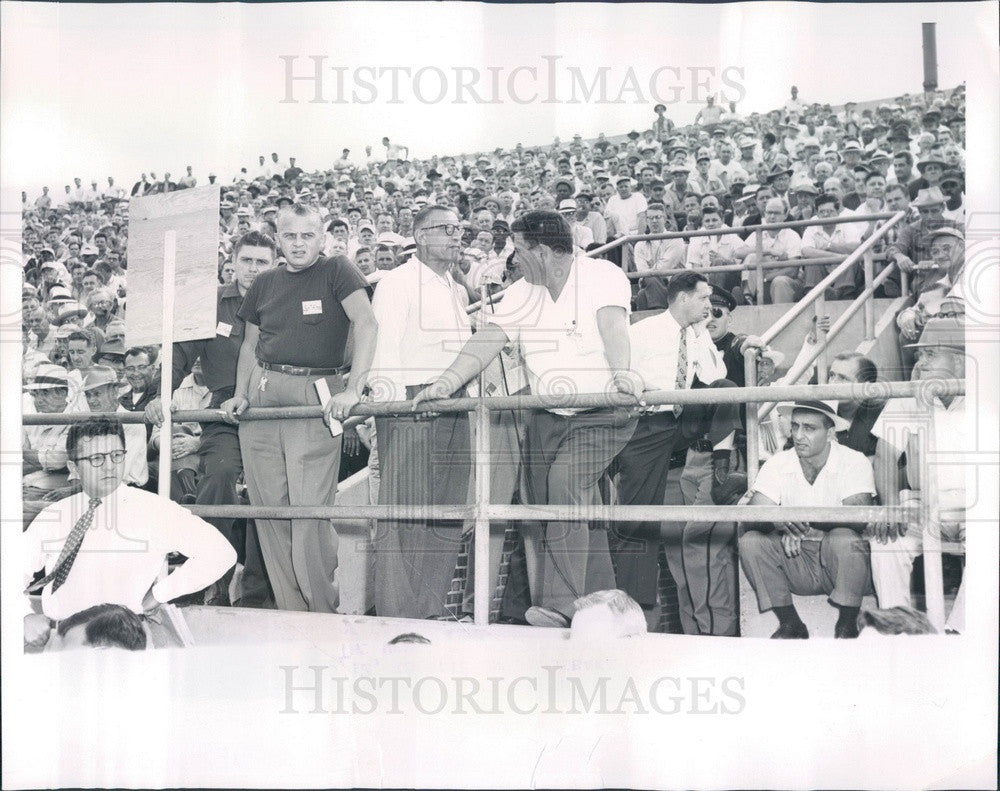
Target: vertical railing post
869,268
753,426
931,524
759,239
904,283
822,367
481,542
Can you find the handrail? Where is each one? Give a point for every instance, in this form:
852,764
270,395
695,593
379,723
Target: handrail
774,226
725,395
621,240
749,356
864,298
799,307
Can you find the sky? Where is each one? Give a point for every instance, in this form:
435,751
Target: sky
98,90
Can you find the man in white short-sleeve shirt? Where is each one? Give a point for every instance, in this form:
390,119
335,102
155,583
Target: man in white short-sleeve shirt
570,316
903,427
816,472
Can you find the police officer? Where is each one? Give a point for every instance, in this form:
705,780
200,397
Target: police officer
221,464
297,318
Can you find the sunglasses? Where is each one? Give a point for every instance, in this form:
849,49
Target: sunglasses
718,313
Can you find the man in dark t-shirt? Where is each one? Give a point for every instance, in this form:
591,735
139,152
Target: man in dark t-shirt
297,319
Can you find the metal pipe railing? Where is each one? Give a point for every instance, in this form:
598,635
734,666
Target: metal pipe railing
862,299
755,229
727,395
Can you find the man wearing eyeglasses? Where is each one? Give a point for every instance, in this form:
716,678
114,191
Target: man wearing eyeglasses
912,250
570,314
108,544
424,460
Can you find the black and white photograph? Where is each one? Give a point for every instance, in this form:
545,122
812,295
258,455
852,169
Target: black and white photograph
500,395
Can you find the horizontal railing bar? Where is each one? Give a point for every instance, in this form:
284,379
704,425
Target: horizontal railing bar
748,229
820,288
853,514
719,395
712,270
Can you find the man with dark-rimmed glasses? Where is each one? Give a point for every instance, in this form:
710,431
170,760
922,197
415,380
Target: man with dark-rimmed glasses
108,544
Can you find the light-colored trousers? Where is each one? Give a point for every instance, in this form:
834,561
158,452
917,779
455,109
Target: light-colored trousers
293,462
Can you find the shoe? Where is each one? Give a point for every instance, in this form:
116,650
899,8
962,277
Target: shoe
791,631
846,630
544,616
730,490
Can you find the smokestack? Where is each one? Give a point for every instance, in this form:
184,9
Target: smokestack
930,57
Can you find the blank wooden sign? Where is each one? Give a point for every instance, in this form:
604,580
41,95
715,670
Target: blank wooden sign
194,215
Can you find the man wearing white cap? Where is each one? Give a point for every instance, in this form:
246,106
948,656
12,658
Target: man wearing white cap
902,428
582,235
43,448
817,472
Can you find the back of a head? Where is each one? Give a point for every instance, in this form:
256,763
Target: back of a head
607,614
107,626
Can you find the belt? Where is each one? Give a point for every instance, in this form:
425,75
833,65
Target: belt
298,370
702,446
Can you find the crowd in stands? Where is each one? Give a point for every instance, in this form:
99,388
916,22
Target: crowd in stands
803,161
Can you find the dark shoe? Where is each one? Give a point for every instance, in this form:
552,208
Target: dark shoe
791,631
729,491
846,630
544,616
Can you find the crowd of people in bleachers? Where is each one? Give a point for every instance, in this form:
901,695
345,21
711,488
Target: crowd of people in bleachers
799,162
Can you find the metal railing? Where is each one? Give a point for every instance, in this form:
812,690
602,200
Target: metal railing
481,512
756,230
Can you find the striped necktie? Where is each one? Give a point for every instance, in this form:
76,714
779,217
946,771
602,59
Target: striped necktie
682,368
69,552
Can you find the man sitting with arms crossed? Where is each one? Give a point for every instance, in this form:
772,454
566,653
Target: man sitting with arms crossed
108,544
819,473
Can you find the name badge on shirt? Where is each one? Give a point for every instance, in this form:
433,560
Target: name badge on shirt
312,307
223,329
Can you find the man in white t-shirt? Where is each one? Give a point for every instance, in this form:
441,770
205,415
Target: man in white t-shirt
570,315
627,212
820,473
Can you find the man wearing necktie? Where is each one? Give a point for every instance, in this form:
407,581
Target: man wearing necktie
670,351
109,543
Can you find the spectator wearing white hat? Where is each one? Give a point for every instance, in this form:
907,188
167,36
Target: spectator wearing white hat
583,237
816,472
43,448
912,248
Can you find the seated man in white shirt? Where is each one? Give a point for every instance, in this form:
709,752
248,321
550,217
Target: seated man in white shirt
570,315
822,241
901,428
817,472
109,543
583,237
721,250
784,284
659,255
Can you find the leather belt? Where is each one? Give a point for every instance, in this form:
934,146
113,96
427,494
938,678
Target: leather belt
298,370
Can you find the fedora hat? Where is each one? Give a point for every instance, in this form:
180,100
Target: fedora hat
825,408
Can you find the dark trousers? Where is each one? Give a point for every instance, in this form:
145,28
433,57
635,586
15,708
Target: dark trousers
643,466
422,462
565,458
221,467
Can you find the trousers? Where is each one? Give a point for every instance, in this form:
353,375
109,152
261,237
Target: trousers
423,462
703,560
643,466
565,458
293,462
838,566
892,566
220,468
